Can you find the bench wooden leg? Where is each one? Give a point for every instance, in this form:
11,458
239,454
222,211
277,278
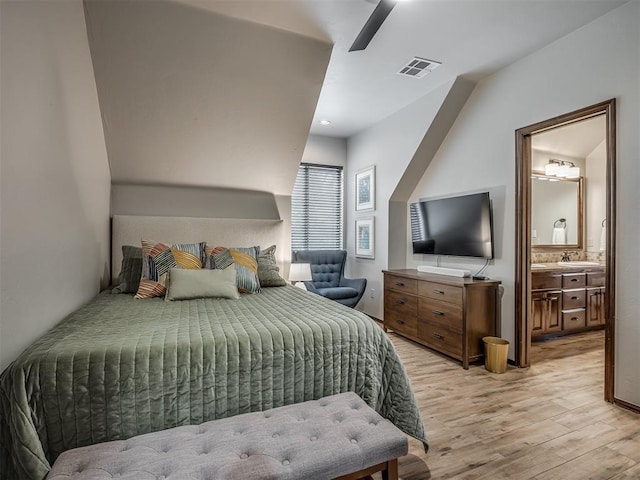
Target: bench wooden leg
388,469
391,472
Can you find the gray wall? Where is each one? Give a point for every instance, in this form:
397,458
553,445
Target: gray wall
323,150
215,202
195,98
390,146
479,153
55,181
172,201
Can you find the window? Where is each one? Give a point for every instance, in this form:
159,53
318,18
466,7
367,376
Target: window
316,208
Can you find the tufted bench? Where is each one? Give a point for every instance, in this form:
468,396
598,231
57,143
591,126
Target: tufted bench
334,437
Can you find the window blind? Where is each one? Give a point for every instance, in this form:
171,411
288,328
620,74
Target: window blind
316,208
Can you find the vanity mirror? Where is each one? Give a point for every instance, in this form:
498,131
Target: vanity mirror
556,212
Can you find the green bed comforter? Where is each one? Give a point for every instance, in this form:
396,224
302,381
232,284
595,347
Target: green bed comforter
120,367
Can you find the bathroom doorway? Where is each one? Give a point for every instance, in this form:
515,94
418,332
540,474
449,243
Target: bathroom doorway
557,240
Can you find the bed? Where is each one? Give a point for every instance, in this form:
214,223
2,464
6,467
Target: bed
118,367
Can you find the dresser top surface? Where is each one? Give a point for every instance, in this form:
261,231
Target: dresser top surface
444,279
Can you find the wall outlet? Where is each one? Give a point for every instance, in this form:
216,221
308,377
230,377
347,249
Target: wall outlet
372,293
590,242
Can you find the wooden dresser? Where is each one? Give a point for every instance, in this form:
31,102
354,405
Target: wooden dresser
448,314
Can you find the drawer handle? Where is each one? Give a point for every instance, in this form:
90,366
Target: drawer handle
438,336
438,292
574,298
437,312
574,319
574,279
400,302
400,284
401,322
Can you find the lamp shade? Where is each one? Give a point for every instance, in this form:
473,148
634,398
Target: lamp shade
573,172
551,168
563,170
300,272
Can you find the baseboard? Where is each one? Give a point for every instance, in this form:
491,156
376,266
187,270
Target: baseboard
626,405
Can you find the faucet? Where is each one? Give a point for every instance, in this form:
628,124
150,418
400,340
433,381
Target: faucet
566,256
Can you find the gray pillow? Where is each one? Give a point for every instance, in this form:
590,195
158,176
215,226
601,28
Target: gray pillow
131,270
184,284
268,269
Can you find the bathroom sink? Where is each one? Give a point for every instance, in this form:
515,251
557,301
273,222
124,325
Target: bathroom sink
579,263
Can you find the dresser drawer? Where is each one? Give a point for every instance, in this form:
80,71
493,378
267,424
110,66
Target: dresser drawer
440,338
442,313
574,280
574,299
401,323
595,279
400,303
573,319
545,281
438,291
400,284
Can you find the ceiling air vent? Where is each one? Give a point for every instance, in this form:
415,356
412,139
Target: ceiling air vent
418,67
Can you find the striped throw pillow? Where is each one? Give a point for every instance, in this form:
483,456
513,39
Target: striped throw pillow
158,258
244,260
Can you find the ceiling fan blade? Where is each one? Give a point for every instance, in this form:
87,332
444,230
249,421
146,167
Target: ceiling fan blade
377,18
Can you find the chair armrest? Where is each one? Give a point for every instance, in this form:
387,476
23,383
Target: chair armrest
311,288
358,284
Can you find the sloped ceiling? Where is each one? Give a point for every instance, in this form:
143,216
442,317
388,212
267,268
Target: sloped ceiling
191,97
576,140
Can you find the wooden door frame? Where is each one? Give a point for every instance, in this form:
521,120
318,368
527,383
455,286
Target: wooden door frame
523,238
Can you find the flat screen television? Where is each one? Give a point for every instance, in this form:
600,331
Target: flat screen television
460,226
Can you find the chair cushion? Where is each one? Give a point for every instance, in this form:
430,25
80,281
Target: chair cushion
337,293
327,275
327,266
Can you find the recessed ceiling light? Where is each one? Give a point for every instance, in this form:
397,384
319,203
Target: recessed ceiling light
325,122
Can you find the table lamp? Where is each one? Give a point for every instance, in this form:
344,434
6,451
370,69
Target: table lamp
300,273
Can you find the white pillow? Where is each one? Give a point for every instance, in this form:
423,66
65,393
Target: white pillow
203,283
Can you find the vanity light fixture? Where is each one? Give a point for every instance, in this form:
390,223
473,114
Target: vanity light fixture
561,169
551,168
573,172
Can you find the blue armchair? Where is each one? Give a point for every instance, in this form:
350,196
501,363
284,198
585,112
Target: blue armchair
327,272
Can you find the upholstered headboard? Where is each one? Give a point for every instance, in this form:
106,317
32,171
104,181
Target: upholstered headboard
228,232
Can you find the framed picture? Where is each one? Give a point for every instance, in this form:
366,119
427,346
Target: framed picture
366,188
365,235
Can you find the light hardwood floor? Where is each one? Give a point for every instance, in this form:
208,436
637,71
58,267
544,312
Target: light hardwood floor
549,422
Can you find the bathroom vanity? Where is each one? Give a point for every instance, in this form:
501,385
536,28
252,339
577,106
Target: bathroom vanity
567,298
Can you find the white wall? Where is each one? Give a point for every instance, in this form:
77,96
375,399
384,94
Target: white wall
55,174
323,150
480,153
390,146
193,98
596,200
